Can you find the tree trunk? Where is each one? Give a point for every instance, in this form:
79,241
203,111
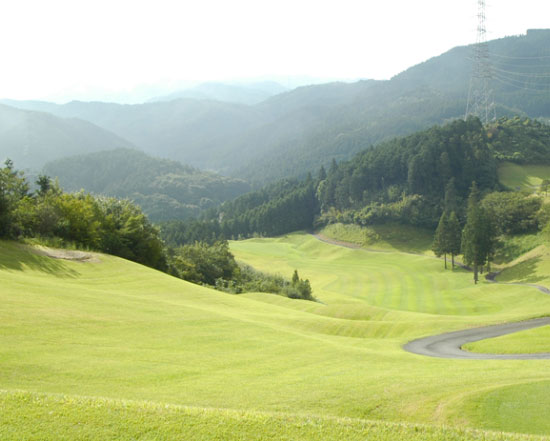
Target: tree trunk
445,258
475,274
452,261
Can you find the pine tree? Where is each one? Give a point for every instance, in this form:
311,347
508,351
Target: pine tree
295,278
475,243
451,203
454,237
440,245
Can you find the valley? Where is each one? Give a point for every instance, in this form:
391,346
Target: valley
117,331
251,260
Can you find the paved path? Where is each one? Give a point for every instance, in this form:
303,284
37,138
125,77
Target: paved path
449,345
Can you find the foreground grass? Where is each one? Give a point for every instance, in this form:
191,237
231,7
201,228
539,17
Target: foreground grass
523,177
115,329
26,416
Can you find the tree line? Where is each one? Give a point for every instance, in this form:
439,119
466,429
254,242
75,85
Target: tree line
120,228
402,180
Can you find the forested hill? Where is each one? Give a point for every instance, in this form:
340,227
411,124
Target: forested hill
32,138
407,180
295,132
163,188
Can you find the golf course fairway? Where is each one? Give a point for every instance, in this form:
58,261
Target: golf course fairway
107,344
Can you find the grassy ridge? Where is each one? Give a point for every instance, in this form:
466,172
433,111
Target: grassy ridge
116,329
385,236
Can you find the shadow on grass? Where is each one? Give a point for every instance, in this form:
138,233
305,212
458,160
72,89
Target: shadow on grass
19,258
524,272
404,239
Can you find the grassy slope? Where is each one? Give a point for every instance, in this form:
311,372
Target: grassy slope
530,341
523,177
116,329
389,237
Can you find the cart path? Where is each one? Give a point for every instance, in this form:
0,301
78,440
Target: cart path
449,345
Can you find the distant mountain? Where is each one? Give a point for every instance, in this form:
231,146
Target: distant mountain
31,139
245,93
298,131
165,189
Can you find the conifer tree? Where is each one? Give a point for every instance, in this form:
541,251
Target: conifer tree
454,237
477,242
440,243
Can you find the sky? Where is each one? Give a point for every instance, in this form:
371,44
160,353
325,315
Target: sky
128,51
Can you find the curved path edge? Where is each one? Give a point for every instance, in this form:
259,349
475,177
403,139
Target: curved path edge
449,345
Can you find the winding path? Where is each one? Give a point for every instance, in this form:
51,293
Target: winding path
449,345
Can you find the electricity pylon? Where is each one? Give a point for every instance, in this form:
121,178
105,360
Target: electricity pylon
480,96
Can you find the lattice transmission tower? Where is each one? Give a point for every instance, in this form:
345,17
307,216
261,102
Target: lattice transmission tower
480,95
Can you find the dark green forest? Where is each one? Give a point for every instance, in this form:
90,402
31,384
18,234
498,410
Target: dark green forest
407,180
164,189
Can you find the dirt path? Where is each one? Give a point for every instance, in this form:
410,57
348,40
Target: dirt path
449,345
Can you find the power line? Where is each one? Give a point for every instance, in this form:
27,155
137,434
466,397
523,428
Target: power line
480,102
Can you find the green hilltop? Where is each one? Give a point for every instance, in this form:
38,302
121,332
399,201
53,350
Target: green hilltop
163,188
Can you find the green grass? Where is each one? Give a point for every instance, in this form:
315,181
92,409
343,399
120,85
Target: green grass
514,247
532,267
516,407
392,237
59,417
523,177
118,330
524,342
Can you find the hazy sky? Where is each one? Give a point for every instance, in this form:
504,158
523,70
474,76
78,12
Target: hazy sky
80,49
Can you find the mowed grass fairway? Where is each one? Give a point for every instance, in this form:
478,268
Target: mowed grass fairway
523,177
109,348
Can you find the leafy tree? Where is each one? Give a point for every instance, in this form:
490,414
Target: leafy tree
544,186
512,212
44,184
13,188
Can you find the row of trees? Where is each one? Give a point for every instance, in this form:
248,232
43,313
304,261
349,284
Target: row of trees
120,228
476,241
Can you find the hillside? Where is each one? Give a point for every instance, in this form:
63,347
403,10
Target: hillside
164,189
117,332
31,138
298,131
244,93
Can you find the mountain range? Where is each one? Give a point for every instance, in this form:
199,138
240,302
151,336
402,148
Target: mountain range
297,131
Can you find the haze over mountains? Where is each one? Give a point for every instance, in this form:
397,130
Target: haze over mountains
243,93
296,132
